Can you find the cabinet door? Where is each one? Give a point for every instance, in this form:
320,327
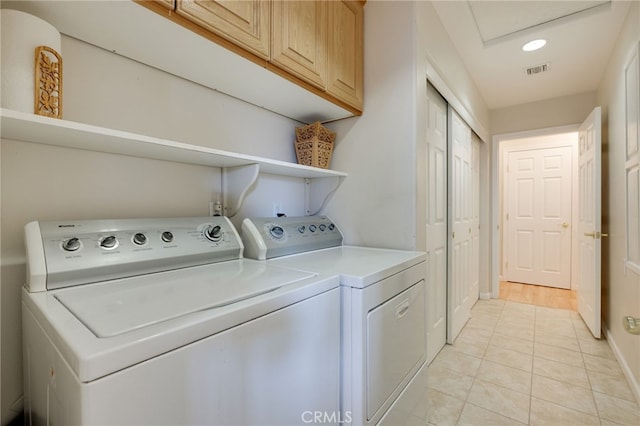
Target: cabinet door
299,39
167,3
244,23
345,52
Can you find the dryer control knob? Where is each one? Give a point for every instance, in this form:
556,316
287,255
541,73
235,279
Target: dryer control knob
301,229
213,233
109,242
140,239
313,228
167,237
322,227
72,244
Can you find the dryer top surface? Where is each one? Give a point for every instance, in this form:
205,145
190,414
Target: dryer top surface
358,267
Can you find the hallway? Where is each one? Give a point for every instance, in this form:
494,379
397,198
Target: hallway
517,363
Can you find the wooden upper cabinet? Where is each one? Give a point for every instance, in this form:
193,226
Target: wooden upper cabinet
317,45
345,55
299,39
244,23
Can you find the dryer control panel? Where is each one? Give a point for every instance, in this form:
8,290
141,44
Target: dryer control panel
68,253
269,237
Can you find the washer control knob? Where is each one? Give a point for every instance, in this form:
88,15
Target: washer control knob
167,237
313,228
322,227
109,242
331,227
277,232
72,244
301,229
213,233
140,239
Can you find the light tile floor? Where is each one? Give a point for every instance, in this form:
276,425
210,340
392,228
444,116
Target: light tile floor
515,364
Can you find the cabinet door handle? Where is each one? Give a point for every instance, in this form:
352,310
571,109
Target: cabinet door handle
402,308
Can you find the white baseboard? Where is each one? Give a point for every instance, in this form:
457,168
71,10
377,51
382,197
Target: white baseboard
633,383
485,296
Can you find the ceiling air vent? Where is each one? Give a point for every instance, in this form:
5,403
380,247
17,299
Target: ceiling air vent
537,69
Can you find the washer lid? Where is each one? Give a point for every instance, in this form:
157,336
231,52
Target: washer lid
116,307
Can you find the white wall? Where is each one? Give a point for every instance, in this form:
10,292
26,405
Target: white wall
384,149
621,291
375,205
447,71
555,112
42,182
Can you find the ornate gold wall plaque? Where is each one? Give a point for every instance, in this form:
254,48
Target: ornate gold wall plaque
48,82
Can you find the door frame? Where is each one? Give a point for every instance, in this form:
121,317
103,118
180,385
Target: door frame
499,142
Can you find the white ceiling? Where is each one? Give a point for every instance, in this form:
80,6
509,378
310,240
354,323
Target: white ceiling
489,36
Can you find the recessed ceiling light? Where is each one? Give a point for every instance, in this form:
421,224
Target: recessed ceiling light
534,45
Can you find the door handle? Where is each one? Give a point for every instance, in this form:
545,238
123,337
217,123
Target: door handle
565,225
595,235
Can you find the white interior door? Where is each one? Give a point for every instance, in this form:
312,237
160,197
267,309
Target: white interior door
589,221
460,223
538,216
436,230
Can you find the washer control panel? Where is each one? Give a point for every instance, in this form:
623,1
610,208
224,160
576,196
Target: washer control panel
67,253
268,237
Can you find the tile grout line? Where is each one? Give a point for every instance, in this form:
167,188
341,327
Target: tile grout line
498,316
593,398
493,331
533,357
495,319
473,381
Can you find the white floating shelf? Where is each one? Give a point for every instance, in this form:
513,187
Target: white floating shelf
131,30
25,127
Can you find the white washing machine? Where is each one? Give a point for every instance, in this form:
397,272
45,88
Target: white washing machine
383,305
161,321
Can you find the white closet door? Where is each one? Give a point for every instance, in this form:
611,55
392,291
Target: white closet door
474,265
539,199
436,229
460,250
590,221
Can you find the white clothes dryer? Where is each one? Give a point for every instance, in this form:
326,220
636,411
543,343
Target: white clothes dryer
383,313
161,321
